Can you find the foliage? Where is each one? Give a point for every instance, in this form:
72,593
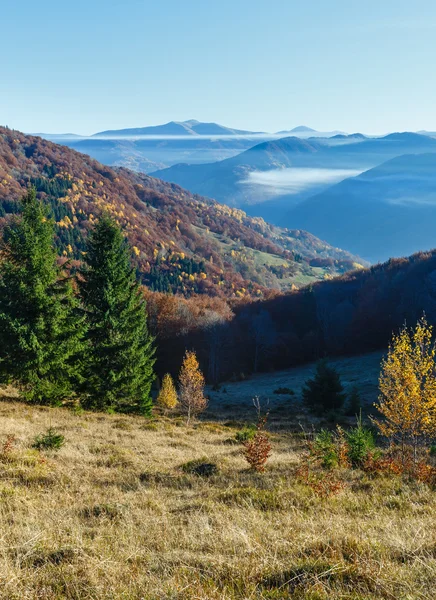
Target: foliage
51,440
325,449
361,443
408,388
41,330
167,397
322,484
200,467
257,450
119,370
246,433
284,390
341,448
325,391
191,387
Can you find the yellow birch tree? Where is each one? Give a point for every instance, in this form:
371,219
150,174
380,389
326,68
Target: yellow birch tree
191,387
167,397
407,384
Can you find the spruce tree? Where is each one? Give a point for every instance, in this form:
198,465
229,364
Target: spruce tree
120,362
41,329
325,391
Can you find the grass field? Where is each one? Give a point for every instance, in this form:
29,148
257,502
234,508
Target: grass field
115,515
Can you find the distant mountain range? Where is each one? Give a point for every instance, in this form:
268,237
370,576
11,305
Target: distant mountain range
229,181
148,149
177,128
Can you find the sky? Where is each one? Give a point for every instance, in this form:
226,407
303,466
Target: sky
83,66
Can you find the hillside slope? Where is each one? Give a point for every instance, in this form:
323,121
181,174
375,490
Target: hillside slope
387,211
182,243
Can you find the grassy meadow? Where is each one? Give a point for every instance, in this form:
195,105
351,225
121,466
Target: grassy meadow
119,513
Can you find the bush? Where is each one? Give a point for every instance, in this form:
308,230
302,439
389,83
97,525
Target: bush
258,449
324,392
325,449
284,390
360,441
200,468
52,440
246,433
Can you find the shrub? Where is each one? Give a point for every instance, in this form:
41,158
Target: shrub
201,468
360,441
52,440
324,392
258,449
246,433
325,449
284,390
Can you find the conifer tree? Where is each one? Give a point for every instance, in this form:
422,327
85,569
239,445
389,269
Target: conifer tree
167,397
119,370
41,329
325,391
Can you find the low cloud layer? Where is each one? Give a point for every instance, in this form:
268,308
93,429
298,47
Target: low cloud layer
294,181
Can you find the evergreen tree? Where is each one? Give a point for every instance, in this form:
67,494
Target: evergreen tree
325,391
119,371
41,329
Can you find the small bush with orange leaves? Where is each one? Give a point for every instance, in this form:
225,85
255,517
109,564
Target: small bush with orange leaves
323,483
257,450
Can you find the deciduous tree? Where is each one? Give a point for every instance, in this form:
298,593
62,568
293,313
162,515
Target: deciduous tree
408,387
191,387
167,397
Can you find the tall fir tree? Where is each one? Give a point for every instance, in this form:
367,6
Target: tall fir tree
119,371
41,328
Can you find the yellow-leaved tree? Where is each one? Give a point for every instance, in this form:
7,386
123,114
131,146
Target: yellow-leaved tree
167,397
191,387
408,388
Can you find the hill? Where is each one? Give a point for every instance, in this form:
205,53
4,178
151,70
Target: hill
352,314
182,242
234,181
389,210
224,179
191,127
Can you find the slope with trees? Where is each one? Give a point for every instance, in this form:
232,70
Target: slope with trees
182,242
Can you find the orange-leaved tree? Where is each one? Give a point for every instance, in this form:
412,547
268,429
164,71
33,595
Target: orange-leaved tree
191,387
408,388
167,397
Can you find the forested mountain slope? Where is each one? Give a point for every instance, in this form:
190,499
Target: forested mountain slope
182,242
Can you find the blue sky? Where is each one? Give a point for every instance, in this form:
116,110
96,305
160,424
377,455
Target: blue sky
86,65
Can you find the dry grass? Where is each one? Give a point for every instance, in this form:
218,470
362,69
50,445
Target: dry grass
113,515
